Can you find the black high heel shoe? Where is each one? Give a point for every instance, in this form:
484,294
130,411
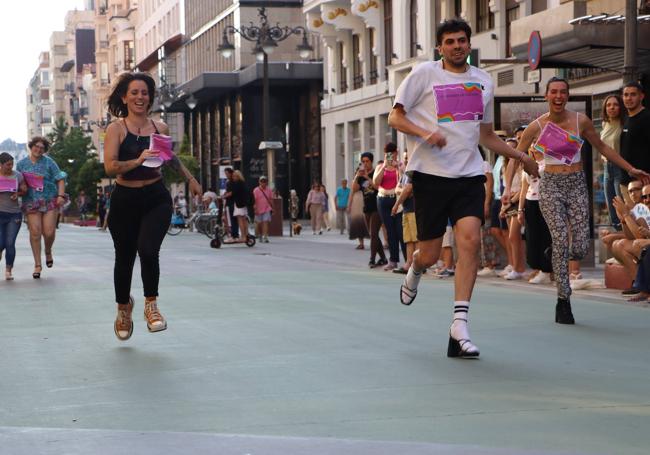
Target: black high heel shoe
461,348
36,275
49,262
563,314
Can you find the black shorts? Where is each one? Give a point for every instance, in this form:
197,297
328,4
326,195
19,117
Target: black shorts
440,199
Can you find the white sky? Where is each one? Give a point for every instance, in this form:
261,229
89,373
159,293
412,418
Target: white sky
25,29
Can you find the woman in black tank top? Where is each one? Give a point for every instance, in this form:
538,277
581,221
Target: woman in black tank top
141,206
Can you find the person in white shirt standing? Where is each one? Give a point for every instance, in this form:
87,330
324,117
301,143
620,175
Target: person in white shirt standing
445,110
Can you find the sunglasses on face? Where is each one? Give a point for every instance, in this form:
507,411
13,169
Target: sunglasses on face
645,196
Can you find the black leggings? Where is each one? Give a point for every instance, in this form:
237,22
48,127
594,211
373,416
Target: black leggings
138,221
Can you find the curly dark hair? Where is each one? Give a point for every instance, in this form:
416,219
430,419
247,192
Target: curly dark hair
453,26
36,139
115,105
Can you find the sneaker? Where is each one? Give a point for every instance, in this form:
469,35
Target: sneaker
382,262
541,278
514,276
265,239
320,232
372,264
390,266
505,271
123,325
486,271
445,273
155,321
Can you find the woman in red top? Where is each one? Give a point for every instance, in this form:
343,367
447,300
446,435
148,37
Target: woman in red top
385,179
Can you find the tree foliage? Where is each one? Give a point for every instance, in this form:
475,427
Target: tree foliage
185,157
73,152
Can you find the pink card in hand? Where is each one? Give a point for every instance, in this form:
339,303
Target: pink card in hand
163,145
8,184
34,181
558,143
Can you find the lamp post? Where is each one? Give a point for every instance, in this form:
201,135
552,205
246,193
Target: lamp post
266,38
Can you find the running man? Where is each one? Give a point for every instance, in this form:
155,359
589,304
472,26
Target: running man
445,110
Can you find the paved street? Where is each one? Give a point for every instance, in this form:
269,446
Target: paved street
295,347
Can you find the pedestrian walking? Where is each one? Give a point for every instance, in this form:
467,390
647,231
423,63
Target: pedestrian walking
263,207
385,179
82,204
342,200
314,206
12,185
101,207
445,110
141,206
230,203
363,182
45,194
564,201
326,208
241,198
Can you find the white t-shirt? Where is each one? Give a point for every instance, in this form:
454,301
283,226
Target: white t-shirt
641,211
454,104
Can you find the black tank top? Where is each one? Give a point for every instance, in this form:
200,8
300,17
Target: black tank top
130,149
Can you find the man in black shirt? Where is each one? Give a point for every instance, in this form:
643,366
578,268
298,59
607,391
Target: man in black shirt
635,138
363,182
230,204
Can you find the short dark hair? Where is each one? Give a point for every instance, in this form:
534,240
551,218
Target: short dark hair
5,158
556,79
116,107
390,147
635,85
368,155
36,139
519,128
452,26
228,170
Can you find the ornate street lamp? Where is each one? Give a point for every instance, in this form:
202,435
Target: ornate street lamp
266,38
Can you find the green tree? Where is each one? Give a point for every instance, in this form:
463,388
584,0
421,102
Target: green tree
73,152
185,157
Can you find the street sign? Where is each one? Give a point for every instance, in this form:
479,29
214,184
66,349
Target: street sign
274,145
534,76
534,50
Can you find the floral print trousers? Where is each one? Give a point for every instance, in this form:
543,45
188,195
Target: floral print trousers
564,202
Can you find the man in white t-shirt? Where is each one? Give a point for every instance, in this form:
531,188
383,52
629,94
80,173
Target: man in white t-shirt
445,109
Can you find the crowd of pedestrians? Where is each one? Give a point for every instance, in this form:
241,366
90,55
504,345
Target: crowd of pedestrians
437,208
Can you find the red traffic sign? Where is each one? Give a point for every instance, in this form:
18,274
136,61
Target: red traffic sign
534,50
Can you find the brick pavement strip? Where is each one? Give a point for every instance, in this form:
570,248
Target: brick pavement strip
296,340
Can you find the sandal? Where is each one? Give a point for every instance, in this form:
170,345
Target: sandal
360,247
37,273
49,260
407,295
641,297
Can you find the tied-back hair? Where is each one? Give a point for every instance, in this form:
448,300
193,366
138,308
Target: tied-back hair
557,79
116,106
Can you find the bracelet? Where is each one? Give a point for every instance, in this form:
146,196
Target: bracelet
520,211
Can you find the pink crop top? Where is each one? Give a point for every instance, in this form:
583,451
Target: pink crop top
389,180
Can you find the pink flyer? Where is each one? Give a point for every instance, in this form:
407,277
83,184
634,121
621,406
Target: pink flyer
459,102
558,143
8,184
34,181
162,144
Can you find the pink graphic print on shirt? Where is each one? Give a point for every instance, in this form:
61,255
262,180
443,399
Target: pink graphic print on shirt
459,102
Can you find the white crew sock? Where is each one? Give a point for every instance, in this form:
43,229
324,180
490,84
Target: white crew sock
459,330
412,278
